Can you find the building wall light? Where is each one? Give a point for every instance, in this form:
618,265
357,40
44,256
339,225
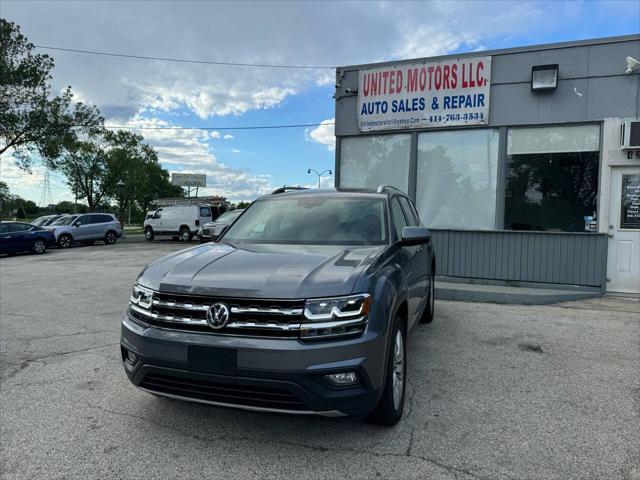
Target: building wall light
544,77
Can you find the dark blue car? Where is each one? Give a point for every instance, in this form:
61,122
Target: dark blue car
23,237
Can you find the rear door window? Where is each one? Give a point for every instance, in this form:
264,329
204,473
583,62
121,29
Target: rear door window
19,227
101,218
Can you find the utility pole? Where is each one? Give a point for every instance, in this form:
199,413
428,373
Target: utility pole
320,174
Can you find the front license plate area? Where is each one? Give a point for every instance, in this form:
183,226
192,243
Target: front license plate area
219,360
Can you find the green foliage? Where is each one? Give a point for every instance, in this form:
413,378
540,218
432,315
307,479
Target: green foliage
32,121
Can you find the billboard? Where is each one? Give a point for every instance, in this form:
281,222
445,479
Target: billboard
189,179
425,95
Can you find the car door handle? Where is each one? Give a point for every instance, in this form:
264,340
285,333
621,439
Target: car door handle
419,249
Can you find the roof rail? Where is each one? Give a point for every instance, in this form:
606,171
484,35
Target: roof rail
284,188
382,188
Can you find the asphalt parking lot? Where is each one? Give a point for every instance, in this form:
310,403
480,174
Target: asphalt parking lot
496,392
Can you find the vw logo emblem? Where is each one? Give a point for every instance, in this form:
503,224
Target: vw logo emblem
218,316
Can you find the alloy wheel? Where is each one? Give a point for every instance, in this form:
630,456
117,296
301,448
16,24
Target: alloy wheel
39,247
64,241
398,369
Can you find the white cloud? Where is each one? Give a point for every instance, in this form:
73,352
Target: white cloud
228,137
188,151
235,150
323,134
214,134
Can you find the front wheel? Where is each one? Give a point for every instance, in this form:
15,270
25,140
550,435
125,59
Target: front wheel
185,235
148,234
391,405
64,241
110,238
39,247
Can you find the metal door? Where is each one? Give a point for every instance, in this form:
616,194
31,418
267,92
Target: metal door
623,258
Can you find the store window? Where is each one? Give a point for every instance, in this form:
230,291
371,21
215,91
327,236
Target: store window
457,172
552,178
372,160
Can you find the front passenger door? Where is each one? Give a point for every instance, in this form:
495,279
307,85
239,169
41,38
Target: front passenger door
421,262
83,227
407,260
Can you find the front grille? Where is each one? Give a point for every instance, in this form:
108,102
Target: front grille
234,394
251,317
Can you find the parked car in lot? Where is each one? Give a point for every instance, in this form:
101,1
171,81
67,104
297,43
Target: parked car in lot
181,221
46,220
18,237
86,228
304,306
210,231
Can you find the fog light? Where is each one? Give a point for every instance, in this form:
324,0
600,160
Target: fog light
342,379
132,357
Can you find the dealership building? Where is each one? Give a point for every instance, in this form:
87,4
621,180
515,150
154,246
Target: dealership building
524,162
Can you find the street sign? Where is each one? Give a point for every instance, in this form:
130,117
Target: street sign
189,179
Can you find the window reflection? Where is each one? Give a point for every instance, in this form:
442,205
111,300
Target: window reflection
551,191
372,160
457,173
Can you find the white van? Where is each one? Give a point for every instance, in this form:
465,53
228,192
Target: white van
181,221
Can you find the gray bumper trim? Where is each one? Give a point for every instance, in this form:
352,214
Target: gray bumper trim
327,413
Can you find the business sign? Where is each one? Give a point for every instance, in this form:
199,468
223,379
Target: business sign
424,95
189,179
630,213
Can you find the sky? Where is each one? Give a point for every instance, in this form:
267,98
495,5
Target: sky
243,164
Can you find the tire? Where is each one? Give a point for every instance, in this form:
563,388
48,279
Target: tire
39,247
110,237
427,315
148,234
185,235
391,405
64,240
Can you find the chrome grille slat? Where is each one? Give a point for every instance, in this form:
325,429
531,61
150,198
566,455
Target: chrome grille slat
168,318
249,317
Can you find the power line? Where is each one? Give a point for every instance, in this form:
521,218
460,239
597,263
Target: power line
184,60
251,127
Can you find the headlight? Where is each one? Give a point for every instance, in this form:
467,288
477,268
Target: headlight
335,317
141,296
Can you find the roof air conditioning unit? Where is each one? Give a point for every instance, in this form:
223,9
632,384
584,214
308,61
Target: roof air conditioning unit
630,134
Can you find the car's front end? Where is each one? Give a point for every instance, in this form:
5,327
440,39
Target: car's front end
273,355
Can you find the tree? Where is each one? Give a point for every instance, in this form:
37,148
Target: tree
85,166
134,176
32,122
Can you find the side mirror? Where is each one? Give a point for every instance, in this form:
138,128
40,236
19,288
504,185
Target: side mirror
415,235
156,216
76,224
217,231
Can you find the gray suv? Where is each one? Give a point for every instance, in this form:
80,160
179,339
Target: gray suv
86,228
303,306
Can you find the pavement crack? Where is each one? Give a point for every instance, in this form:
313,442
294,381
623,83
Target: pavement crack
289,443
30,360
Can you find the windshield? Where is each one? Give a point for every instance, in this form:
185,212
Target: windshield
312,220
40,220
228,216
64,221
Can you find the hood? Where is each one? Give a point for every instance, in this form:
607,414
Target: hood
260,271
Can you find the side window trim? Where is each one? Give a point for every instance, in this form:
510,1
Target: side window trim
409,215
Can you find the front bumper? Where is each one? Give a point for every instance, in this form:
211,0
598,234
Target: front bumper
268,374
